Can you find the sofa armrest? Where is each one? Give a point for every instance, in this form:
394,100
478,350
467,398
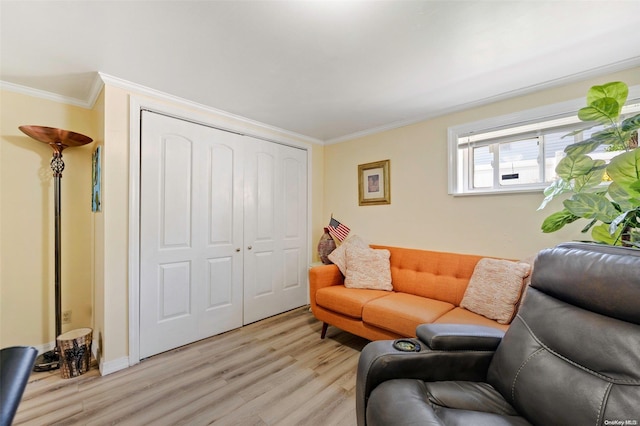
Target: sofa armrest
323,276
459,337
379,361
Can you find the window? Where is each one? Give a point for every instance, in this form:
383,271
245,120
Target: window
519,152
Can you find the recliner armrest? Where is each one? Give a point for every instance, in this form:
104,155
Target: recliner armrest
379,361
459,337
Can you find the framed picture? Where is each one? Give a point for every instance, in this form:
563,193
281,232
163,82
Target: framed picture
96,178
374,183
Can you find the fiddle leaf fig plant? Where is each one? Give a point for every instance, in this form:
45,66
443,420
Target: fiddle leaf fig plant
607,194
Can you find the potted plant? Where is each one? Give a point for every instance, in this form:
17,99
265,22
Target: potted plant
605,193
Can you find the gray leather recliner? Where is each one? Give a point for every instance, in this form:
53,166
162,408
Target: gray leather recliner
16,363
570,357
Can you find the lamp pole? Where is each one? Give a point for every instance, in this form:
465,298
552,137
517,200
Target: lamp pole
58,140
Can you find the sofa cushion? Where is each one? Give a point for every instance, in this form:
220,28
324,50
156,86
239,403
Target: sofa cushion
495,289
463,316
346,301
436,275
339,255
402,313
367,268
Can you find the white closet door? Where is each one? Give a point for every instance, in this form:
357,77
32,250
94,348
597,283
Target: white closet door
275,262
190,233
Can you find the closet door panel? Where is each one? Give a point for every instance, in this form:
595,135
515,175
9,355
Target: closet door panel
219,283
175,191
167,317
190,233
261,260
294,244
263,177
221,195
275,230
221,231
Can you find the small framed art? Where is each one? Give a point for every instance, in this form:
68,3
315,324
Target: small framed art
374,183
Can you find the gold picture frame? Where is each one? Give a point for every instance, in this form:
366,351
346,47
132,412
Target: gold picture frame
374,183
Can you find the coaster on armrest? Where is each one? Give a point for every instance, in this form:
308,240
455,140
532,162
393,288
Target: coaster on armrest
405,345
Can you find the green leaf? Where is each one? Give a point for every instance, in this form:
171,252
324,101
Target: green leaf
612,136
591,206
624,169
591,179
579,131
589,225
575,132
559,186
615,89
574,165
630,124
621,197
557,220
604,110
609,136
618,220
583,147
601,233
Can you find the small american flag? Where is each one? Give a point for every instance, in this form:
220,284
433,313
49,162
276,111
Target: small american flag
338,230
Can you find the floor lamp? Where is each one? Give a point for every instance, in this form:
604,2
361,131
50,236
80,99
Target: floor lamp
58,140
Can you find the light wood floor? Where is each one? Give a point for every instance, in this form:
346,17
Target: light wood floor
273,372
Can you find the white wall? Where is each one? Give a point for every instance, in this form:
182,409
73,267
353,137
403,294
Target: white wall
421,213
27,309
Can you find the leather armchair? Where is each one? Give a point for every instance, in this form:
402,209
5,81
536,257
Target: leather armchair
16,363
571,355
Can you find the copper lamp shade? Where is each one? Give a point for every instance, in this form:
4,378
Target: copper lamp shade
58,139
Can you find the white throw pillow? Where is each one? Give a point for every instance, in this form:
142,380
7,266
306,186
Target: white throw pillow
368,268
338,256
495,289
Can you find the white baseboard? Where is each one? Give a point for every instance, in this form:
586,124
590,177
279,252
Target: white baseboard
113,366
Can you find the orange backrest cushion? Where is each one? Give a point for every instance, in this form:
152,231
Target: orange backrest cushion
437,275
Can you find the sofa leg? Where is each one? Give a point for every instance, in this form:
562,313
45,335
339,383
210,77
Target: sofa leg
324,330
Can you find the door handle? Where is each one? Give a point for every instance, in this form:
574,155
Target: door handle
237,250
249,248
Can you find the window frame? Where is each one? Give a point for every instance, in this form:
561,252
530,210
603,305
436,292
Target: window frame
563,111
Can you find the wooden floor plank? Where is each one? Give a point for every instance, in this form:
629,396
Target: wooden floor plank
273,372
320,406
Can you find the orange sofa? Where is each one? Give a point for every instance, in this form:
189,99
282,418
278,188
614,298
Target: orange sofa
428,287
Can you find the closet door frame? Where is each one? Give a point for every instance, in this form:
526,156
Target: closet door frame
195,113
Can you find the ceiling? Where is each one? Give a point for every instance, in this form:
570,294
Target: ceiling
327,70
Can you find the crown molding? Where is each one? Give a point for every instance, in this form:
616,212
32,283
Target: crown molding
143,90
95,90
572,78
50,96
102,78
